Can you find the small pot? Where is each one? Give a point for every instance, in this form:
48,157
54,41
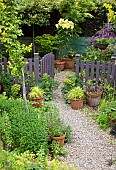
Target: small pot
76,104
60,139
38,102
69,64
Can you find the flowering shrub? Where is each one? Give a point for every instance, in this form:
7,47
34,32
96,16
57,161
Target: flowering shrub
65,30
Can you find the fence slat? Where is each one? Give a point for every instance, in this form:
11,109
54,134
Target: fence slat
77,66
103,70
97,70
36,68
113,74
92,69
82,65
87,71
109,73
30,66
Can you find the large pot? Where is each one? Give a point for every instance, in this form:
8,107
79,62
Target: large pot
93,99
69,64
59,64
76,104
60,139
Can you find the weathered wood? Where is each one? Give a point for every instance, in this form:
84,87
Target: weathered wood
109,73
87,71
5,64
97,70
92,70
36,67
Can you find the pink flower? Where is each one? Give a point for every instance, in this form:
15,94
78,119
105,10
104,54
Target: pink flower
104,51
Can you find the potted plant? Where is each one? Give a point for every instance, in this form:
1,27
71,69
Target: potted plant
65,30
57,131
93,94
37,95
69,60
76,96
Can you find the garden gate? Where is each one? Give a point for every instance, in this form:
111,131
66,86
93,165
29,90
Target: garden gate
35,66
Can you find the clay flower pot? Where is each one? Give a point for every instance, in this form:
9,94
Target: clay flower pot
93,99
38,102
59,64
76,104
60,139
69,64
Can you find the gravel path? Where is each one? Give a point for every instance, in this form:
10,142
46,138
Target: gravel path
90,148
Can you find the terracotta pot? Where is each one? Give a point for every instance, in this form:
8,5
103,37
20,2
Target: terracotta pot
60,139
93,99
59,64
38,102
112,121
76,104
69,64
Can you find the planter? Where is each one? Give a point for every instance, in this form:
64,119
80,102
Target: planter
101,46
112,121
76,104
60,139
94,99
59,64
69,64
38,102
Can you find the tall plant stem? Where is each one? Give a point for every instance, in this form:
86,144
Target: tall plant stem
24,92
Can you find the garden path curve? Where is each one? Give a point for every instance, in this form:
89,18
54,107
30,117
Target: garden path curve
90,148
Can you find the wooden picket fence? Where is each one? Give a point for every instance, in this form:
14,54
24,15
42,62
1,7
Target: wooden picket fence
97,71
34,66
93,70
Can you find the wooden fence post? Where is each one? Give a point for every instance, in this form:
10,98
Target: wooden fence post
36,67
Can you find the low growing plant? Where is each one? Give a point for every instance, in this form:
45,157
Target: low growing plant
106,109
69,83
48,84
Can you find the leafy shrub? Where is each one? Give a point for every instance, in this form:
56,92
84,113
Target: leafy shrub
48,84
105,109
69,83
29,161
6,80
47,44
52,120
22,130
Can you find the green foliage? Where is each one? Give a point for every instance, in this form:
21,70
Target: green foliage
96,54
36,92
76,93
76,11
47,44
69,83
56,150
15,89
10,30
51,118
48,84
27,160
38,12
18,128
7,80
106,109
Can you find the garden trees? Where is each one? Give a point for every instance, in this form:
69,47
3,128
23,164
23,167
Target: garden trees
10,19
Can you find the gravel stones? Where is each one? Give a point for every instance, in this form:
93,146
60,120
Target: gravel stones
90,147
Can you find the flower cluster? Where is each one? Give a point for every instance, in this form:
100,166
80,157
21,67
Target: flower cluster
65,24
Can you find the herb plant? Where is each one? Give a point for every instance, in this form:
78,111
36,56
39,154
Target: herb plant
48,84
